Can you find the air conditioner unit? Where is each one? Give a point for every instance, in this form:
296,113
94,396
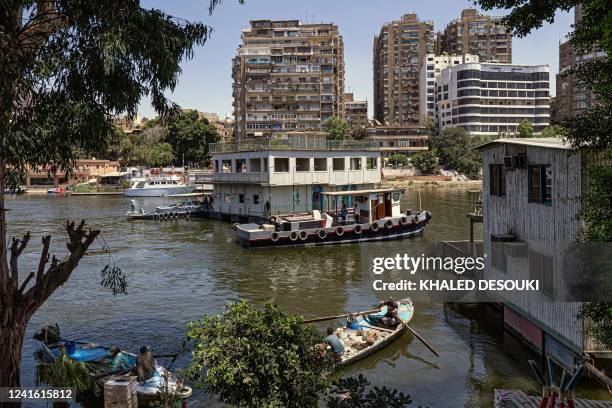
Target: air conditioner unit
509,162
520,161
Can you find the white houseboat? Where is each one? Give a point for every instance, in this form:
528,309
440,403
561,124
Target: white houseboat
157,187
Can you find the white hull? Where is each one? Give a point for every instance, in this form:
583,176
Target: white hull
157,192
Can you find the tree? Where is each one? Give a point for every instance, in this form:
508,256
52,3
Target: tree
351,393
552,131
454,149
336,128
426,162
359,133
191,136
398,158
257,358
66,68
524,129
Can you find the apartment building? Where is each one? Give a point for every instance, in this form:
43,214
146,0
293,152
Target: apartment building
476,34
389,140
488,99
399,51
287,77
572,99
430,70
355,112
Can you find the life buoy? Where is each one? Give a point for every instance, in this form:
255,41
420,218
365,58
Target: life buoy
374,227
416,219
339,231
357,229
322,233
389,224
275,236
235,226
303,235
403,221
293,236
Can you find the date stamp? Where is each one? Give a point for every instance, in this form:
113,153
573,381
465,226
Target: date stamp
33,394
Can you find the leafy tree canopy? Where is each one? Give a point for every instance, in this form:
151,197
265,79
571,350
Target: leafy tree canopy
426,162
398,158
190,136
524,129
359,133
454,149
336,128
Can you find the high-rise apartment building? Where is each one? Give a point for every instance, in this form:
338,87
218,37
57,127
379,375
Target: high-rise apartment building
355,112
399,51
571,99
288,77
476,34
487,99
430,70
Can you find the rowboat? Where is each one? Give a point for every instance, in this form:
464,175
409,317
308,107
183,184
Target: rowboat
105,367
367,335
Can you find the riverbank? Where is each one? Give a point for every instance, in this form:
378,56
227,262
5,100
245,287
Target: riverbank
432,182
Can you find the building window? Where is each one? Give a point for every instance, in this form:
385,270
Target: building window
338,164
540,184
497,179
302,164
255,198
241,198
281,164
355,163
320,164
541,269
371,163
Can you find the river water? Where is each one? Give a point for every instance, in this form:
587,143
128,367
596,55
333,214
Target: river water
179,271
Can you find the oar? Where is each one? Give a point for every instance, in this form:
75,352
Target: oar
418,336
322,319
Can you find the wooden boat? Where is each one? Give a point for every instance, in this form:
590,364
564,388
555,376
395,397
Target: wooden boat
355,339
375,215
104,366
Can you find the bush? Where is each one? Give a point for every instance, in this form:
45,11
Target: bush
398,158
426,162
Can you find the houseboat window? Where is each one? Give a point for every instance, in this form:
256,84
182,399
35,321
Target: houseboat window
497,179
541,268
371,163
302,164
255,165
540,184
338,164
281,164
320,164
396,196
241,198
255,198
240,165
355,163
226,166
265,165
216,166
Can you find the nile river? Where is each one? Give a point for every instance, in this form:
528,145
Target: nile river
179,271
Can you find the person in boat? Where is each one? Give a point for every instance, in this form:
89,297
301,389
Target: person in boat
390,318
118,359
133,205
352,323
146,366
343,211
267,207
334,342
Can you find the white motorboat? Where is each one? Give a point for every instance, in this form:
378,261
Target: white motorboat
158,187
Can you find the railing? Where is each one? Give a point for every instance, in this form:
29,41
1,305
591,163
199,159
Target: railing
292,144
241,177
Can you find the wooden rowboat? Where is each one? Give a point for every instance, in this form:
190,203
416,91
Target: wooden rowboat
355,340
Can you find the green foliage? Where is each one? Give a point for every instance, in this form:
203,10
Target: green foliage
426,162
359,133
454,149
351,393
66,372
553,131
190,137
524,129
336,128
600,314
257,358
398,158
596,212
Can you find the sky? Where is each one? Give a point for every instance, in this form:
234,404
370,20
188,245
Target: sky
205,83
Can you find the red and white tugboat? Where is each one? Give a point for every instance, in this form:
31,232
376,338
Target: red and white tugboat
375,215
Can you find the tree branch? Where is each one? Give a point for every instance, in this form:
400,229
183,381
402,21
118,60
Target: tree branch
17,247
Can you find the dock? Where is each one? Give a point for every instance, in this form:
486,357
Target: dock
518,399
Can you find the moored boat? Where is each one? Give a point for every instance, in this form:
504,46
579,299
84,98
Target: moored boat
375,215
367,334
158,187
105,364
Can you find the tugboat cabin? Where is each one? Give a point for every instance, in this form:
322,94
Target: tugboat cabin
364,206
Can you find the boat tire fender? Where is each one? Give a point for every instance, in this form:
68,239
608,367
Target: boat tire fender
322,233
389,224
293,236
275,236
374,227
403,221
416,219
303,235
235,226
339,231
357,229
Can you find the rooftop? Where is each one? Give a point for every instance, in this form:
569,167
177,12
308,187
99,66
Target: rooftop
550,142
296,143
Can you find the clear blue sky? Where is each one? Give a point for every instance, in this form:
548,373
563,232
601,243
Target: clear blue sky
205,83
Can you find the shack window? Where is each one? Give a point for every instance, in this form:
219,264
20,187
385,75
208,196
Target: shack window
255,198
281,164
371,163
541,269
302,164
241,198
320,164
497,179
540,184
355,163
338,163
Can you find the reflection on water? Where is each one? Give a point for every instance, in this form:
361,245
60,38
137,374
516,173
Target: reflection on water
179,271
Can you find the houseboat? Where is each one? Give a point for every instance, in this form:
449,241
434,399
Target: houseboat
158,187
374,215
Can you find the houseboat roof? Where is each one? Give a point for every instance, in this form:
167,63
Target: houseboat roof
362,192
550,142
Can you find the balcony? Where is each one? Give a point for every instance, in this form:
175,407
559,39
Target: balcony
256,178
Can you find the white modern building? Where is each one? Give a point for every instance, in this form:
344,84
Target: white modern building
430,70
488,99
258,178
